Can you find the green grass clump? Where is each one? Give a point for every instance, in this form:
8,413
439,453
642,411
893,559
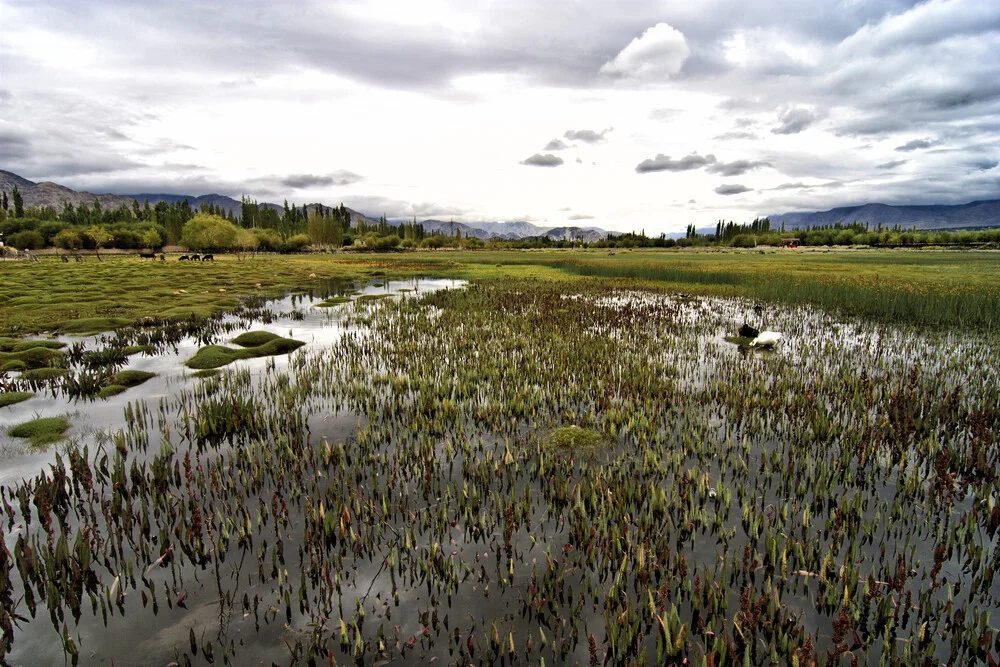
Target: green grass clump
254,338
373,297
207,373
131,378
136,349
214,356
574,437
12,397
92,325
18,345
43,373
110,390
42,431
32,357
333,301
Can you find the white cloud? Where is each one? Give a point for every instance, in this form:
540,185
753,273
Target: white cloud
659,52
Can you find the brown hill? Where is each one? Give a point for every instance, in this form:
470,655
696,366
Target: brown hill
55,195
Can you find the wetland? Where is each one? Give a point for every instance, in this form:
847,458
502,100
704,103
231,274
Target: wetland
509,458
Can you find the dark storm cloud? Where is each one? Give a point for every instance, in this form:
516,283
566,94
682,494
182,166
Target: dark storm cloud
733,189
587,136
737,167
664,163
540,160
301,181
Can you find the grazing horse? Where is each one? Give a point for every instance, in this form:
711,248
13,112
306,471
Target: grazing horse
78,257
64,258
182,258
147,255
163,257
195,258
208,258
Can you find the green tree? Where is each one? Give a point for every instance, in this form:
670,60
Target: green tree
15,195
98,237
68,239
209,233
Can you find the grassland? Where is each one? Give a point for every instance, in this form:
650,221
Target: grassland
923,288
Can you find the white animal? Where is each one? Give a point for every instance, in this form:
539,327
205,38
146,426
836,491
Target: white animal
766,339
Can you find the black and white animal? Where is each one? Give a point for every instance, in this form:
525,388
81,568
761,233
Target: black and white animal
766,339
208,258
183,258
747,331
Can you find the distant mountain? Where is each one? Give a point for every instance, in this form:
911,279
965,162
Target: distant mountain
973,214
55,195
509,231
52,194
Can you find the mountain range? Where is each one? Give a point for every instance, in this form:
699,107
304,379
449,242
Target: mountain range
54,195
974,214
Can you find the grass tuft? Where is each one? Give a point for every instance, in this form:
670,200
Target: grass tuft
254,338
12,397
574,437
40,432
214,356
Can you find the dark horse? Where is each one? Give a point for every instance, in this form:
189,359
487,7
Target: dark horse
208,258
183,257
147,255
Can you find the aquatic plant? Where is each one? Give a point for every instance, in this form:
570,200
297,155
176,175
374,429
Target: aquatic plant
42,431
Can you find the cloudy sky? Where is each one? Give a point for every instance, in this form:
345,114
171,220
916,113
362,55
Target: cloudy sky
625,114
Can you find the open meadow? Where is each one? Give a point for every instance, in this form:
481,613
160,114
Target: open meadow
553,457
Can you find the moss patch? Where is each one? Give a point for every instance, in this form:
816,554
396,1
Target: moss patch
32,357
131,378
574,437
43,373
110,390
373,297
20,345
214,356
255,338
136,349
92,325
333,301
207,373
12,397
42,431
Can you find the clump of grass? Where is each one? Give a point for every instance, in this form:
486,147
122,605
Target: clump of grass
12,397
43,373
136,349
207,373
214,356
574,437
32,357
131,378
40,432
255,338
8,344
333,301
92,325
373,297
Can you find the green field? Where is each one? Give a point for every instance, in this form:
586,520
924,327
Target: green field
915,287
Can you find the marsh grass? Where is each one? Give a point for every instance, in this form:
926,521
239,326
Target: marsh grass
41,432
30,357
255,338
12,397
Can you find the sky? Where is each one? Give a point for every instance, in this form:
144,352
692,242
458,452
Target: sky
626,115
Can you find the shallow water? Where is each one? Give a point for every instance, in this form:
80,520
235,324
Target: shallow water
424,438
